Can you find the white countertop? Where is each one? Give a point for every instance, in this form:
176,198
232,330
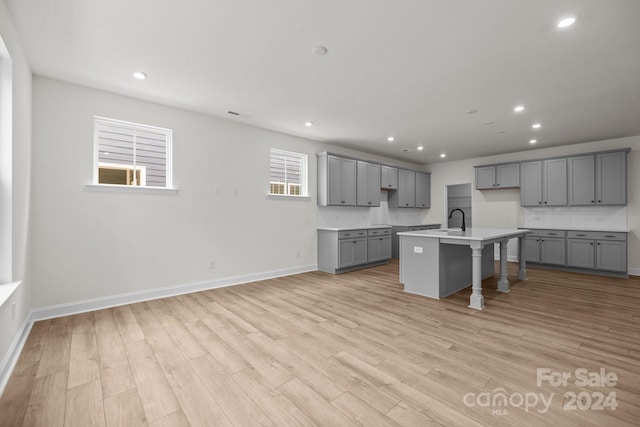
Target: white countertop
603,229
364,227
468,234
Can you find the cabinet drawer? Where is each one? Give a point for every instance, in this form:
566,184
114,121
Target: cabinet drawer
351,234
380,232
597,235
546,233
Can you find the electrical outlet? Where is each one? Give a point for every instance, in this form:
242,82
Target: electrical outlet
13,311
298,253
212,264
219,191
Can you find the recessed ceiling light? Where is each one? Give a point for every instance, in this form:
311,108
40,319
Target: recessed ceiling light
519,108
533,141
391,139
536,126
319,51
566,22
420,148
308,123
501,131
489,122
140,75
443,155
406,150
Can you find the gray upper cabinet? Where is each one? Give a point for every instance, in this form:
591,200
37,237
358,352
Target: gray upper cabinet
486,178
388,178
582,180
611,178
368,184
336,181
531,188
405,196
423,190
544,183
498,176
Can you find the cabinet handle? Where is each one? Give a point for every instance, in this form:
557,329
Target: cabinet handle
545,202
343,201
581,235
599,201
369,202
389,185
609,236
539,203
598,243
591,243
497,185
553,234
592,201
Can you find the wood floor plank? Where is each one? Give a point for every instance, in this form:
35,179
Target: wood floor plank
124,410
48,401
321,349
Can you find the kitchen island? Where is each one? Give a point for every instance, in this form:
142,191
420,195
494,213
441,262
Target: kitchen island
438,263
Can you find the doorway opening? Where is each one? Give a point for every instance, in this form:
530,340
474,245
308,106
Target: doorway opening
458,196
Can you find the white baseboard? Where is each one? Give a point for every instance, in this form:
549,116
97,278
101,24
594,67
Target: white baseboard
84,306
510,258
634,272
11,357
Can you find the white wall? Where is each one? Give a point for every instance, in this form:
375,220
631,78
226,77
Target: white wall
90,244
501,208
20,183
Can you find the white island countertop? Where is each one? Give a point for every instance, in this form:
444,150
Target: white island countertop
479,234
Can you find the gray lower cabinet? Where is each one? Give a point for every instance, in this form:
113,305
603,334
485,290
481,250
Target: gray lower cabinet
340,251
587,251
368,184
395,239
552,250
597,250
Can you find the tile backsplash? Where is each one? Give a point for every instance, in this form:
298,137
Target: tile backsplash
577,217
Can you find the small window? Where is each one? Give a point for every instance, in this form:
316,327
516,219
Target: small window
288,173
131,154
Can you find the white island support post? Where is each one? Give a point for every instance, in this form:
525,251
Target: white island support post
503,282
477,300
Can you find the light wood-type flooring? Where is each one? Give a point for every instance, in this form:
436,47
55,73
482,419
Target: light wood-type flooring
345,350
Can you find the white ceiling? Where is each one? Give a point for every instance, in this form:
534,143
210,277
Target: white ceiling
407,68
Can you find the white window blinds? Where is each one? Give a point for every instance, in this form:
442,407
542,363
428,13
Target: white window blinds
288,173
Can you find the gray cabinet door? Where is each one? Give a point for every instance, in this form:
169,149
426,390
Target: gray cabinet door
532,248
378,248
406,189
341,181
388,178
531,184
368,184
611,178
486,178
423,190
552,250
581,180
611,256
508,176
385,247
352,252
554,182
580,253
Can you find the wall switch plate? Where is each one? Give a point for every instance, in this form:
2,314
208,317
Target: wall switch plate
212,264
417,249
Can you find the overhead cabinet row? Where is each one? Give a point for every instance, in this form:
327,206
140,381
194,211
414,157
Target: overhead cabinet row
585,180
344,181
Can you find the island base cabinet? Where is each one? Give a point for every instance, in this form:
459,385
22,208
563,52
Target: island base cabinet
611,256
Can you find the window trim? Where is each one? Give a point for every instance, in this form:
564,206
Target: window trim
303,181
168,133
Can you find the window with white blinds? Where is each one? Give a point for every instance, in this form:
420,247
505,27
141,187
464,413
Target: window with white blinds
288,173
131,154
